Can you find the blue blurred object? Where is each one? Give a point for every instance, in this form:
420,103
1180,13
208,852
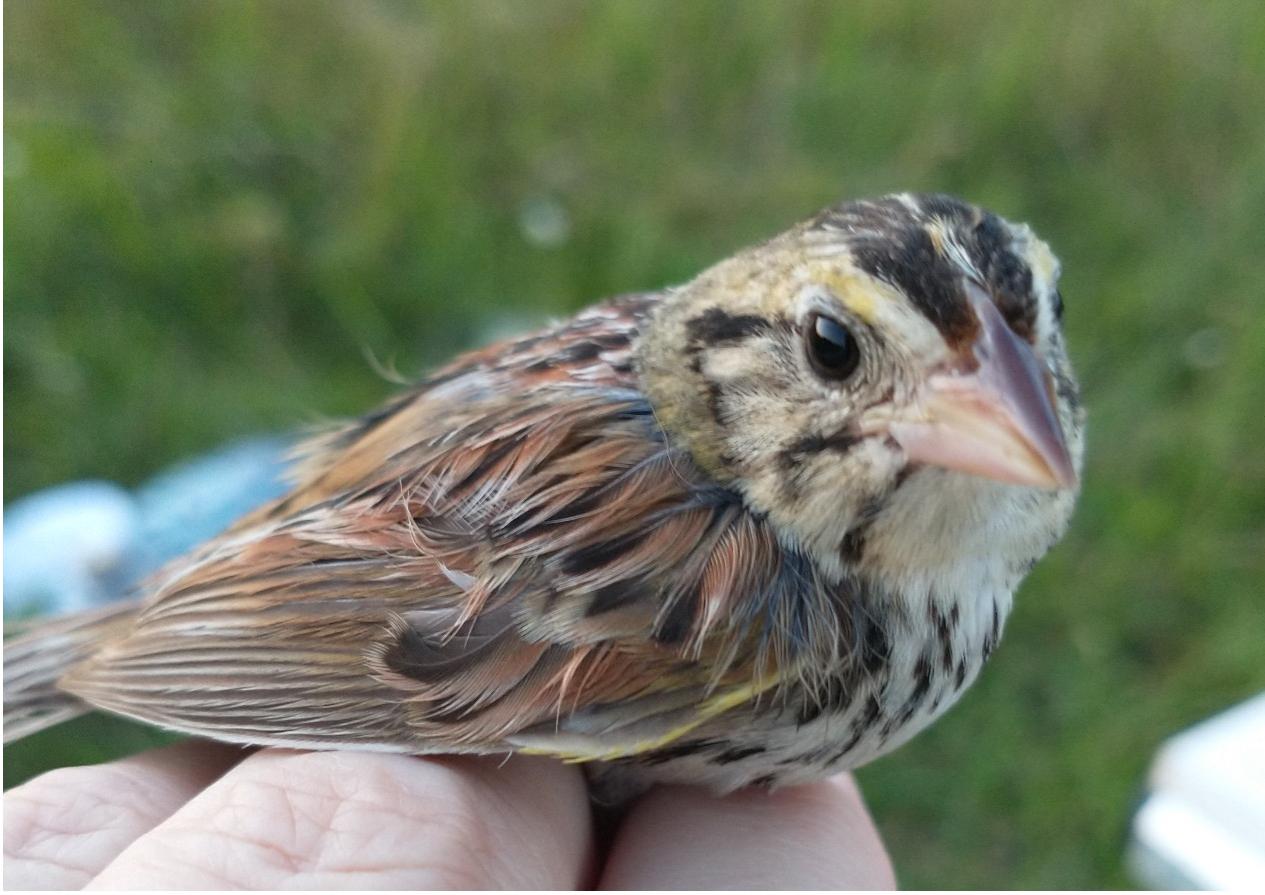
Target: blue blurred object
192,501
82,544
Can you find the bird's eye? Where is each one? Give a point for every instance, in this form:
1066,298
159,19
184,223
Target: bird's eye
832,350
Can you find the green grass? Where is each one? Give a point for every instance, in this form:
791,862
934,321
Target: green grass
213,211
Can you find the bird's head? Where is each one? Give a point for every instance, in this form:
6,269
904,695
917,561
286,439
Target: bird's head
886,381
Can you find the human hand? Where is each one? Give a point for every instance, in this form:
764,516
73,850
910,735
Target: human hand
198,815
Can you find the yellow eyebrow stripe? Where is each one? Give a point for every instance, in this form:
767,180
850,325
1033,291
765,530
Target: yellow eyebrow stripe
855,295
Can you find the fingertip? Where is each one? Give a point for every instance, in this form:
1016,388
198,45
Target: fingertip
817,836
54,834
540,808
363,820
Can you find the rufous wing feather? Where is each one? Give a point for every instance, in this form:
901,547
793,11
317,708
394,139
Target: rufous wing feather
512,556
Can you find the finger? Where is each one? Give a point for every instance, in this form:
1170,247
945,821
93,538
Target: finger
63,827
818,836
337,820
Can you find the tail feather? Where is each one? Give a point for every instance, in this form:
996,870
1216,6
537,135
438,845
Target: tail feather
35,661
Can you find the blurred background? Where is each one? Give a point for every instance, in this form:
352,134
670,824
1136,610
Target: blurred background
225,218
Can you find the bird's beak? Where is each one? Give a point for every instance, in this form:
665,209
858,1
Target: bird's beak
996,420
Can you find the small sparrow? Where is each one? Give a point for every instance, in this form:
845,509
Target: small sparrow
756,529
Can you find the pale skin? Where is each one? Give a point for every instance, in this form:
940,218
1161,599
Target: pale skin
204,816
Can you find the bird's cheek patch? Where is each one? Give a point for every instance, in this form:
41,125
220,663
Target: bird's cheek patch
729,363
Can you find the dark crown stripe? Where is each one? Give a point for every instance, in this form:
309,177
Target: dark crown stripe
909,261
1008,276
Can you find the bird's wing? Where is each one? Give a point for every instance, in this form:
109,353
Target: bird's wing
511,556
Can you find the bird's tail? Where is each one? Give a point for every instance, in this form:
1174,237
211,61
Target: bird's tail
36,659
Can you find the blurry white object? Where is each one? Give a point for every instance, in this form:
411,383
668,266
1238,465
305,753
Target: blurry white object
1203,824
68,547
85,543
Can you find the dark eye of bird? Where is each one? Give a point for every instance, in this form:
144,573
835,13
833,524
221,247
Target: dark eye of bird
832,351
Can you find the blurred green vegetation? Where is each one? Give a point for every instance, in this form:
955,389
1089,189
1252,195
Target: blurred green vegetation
214,211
